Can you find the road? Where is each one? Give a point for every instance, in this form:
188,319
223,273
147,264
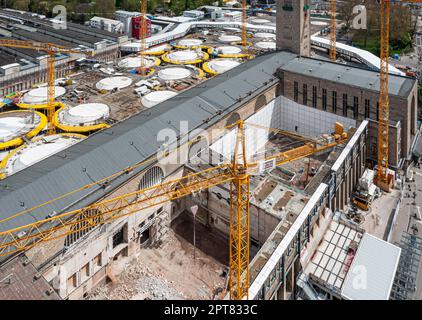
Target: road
412,198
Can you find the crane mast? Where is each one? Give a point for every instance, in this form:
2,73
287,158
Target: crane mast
382,178
239,221
142,70
383,102
244,25
333,29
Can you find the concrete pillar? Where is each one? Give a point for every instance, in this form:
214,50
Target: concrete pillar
62,281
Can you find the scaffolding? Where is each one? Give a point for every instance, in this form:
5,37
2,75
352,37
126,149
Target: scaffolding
404,286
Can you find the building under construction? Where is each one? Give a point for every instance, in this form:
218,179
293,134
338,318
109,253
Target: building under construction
287,99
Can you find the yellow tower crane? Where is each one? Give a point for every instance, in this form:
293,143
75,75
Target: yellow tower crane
51,49
384,181
244,25
142,70
236,172
333,29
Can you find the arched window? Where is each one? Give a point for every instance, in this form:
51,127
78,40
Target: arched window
198,149
87,221
234,117
151,178
260,102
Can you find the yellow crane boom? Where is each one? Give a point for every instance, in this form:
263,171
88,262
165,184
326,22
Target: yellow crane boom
51,49
236,172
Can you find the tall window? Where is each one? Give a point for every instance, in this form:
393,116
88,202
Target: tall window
344,104
367,108
85,222
334,102
118,238
296,91
314,96
378,110
355,107
305,94
324,99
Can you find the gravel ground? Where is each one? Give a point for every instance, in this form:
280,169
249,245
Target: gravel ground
166,273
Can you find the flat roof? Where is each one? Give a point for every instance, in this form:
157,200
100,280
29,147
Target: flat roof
372,272
30,17
30,53
20,280
77,36
44,38
6,58
349,75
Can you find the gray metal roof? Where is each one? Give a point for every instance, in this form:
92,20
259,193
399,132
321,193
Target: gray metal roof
371,274
128,143
35,36
20,280
6,58
70,34
19,52
353,76
31,19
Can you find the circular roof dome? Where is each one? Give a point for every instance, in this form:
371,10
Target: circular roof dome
158,48
228,38
10,127
265,35
41,148
229,50
260,21
113,83
156,97
18,123
42,151
174,73
269,45
135,62
190,42
87,112
39,95
184,55
222,65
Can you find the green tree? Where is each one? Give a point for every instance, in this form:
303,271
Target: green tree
105,8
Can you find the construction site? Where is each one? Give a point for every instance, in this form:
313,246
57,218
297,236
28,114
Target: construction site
233,153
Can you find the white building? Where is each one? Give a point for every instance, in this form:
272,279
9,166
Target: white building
195,14
125,17
232,15
106,24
